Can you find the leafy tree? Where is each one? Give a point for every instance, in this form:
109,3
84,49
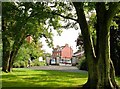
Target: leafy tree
114,37
26,51
20,19
100,67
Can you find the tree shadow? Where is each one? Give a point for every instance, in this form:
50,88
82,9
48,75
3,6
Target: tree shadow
33,80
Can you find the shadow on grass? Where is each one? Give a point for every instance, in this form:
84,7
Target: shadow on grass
34,79
65,73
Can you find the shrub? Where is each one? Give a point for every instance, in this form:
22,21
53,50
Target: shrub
83,64
16,65
36,62
19,64
26,63
22,64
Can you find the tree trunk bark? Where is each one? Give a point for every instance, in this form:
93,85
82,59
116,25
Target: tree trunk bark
16,46
92,74
12,56
6,48
105,68
6,55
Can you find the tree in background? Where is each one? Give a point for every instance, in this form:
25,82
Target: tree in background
26,51
115,43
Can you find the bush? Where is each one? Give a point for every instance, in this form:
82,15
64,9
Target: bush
83,64
22,64
26,63
36,62
16,65
19,64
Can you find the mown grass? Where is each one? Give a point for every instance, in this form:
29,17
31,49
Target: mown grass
21,78
42,78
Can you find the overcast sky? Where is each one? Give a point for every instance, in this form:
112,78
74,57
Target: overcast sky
67,37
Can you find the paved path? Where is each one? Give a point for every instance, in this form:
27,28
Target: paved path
59,68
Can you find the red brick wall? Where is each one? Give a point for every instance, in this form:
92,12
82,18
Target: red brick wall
67,52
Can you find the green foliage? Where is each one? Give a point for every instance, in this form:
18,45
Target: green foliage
89,6
20,64
23,64
24,54
82,65
16,65
29,18
36,62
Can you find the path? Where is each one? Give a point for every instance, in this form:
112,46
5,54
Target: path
59,68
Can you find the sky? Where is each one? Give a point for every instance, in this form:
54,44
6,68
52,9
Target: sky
67,37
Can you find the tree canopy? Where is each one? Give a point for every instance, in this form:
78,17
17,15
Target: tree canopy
26,18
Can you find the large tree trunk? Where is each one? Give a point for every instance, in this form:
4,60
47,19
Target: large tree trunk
6,54
6,48
16,46
100,68
92,74
12,57
88,46
103,55
105,68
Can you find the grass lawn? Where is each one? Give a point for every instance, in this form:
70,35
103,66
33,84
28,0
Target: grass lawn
22,77
42,78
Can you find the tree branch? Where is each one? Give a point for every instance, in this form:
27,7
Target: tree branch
67,17
87,40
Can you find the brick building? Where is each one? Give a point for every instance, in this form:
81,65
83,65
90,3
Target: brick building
62,54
